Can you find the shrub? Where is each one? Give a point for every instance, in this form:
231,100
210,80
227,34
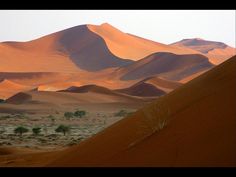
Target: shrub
2,130
20,130
63,129
121,113
36,130
68,115
2,101
79,113
6,116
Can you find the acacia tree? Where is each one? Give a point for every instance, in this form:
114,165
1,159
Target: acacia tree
20,130
63,129
79,113
36,130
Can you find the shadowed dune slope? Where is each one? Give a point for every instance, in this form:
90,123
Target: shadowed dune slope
19,98
217,52
168,65
162,83
142,89
68,50
88,50
192,126
89,88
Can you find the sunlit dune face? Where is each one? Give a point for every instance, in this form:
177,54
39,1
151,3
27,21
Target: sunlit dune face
9,88
129,46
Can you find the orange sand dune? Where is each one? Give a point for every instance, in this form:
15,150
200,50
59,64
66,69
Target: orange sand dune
129,46
95,95
19,98
163,84
69,50
9,88
151,86
37,78
89,88
189,78
56,86
169,65
142,89
217,52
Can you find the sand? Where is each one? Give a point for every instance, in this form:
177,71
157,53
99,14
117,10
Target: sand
193,125
217,52
133,47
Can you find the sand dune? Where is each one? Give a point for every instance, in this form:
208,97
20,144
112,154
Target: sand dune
199,129
9,88
130,46
168,65
69,50
82,94
163,84
217,52
142,89
19,98
89,88
192,126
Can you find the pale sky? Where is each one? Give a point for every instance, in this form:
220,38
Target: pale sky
165,26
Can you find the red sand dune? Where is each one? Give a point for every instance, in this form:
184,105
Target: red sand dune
217,52
129,46
192,126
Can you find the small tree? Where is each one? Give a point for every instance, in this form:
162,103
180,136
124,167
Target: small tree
2,101
63,128
36,130
80,113
68,115
20,130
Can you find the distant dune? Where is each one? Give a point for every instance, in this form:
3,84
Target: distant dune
142,89
216,51
9,88
151,86
19,98
168,65
89,88
105,56
192,126
165,85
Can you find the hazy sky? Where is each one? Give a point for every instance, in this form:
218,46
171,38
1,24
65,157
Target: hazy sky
164,26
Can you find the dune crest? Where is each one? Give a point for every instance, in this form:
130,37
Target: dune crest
130,46
217,52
